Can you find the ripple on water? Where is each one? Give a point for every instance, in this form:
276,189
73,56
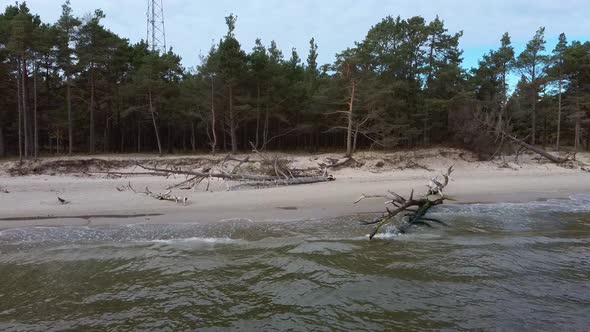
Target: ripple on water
504,266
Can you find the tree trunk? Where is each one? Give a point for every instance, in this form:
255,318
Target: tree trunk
558,115
20,113
578,128
70,122
232,122
257,115
138,136
214,143
534,115
92,142
35,125
534,149
2,149
349,129
155,124
24,103
106,135
266,122
183,139
356,135
425,128
223,133
193,138
57,143
119,127
169,145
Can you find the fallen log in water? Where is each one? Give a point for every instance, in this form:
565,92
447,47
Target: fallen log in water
416,208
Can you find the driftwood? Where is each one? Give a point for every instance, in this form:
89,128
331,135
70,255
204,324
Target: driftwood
291,181
274,171
414,209
243,177
167,196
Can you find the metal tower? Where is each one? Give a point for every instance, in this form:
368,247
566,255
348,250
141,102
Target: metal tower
156,36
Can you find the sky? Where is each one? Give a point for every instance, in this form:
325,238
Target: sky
192,26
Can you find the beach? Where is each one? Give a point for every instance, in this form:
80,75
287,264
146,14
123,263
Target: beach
93,198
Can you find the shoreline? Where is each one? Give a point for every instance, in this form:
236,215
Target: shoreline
95,202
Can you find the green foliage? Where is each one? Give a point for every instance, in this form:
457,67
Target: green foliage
407,75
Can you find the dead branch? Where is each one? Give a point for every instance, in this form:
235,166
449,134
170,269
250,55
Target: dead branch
191,179
167,196
130,173
411,164
342,162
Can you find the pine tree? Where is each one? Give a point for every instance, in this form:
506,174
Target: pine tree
557,72
258,62
531,63
66,27
232,65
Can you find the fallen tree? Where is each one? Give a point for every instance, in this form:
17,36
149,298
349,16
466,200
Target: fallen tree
285,180
414,209
532,148
225,171
502,130
489,132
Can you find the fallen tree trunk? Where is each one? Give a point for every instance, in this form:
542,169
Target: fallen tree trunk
549,156
244,177
291,181
498,127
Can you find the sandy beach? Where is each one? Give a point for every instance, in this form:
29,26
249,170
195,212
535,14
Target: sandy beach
93,199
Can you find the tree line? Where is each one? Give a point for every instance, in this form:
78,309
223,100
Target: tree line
74,86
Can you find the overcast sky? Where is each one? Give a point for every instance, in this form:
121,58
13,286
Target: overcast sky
193,25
